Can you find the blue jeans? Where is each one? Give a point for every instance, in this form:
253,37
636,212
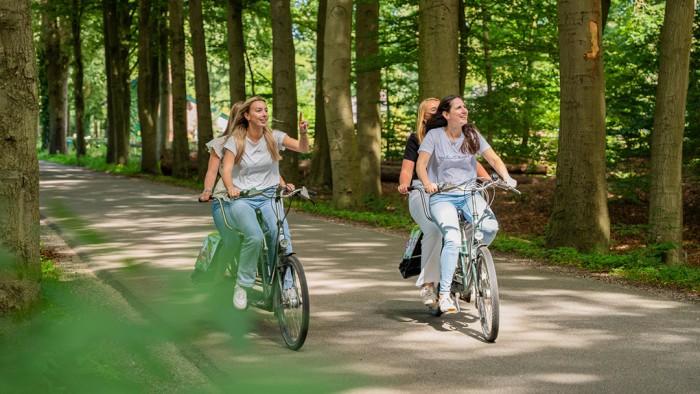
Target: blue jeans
241,215
230,239
444,209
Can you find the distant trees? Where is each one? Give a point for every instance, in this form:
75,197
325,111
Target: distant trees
181,150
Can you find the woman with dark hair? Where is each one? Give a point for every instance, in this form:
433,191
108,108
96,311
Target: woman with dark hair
251,161
431,243
448,155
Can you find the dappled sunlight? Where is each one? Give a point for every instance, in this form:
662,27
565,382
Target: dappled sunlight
369,329
566,378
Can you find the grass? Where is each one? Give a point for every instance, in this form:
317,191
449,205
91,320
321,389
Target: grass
640,264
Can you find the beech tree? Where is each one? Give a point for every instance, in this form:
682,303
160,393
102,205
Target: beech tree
580,209
338,108
181,150
20,267
55,31
78,76
438,72
205,131
666,192
148,94
320,173
284,85
236,50
369,125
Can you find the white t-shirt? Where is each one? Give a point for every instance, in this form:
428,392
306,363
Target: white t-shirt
257,169
217,145
447,163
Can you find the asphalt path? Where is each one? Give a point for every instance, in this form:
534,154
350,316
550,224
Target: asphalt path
368,333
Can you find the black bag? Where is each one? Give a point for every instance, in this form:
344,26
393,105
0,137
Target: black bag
410,264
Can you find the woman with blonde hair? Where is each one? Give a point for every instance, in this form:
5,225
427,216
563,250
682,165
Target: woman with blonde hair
431,243
251,161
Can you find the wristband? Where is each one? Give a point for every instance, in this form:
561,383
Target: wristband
206,190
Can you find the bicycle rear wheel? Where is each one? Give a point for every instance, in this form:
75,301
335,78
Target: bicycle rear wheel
291,302
486,291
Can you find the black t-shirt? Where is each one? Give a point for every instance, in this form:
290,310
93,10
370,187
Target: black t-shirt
411,152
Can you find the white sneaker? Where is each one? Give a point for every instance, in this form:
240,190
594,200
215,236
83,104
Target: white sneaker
240,298
446,305
427,294
290,295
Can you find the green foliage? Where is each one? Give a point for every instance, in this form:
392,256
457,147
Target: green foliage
642,264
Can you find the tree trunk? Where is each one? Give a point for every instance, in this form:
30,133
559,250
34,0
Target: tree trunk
284,85
320,173
463,45
181,152
148,94
108,15
78,76
580,211
20,267
205,131
165,98
236,50
666,192
117,21
57,78
336,93
438,51
369,124
488,72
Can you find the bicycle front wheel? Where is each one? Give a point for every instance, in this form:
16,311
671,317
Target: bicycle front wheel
291,302
486,291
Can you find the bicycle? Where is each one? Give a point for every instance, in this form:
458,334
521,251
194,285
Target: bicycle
475,275
280,285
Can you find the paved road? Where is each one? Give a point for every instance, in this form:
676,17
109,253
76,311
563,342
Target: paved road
369,332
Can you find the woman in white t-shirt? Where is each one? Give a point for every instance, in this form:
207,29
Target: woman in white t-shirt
448,155
251,161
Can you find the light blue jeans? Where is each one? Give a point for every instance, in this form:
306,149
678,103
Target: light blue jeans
230,239
241,215
444,209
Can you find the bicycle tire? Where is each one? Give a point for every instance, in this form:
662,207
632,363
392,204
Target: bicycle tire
293,317
486,294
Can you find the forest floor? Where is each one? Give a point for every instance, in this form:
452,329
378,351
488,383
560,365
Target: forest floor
528,214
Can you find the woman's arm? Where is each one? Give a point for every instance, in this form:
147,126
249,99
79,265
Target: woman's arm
481,171
407,167
499,166
210,177
302,144
422,171
226,172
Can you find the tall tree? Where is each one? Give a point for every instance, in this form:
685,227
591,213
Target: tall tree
55,31
117,28
236,50
320,173
580,211
488,68
463,44
181,150
20,267
336,93
369,124
205,131
284,84
164,91
666,193
78,77
148,94
438,71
